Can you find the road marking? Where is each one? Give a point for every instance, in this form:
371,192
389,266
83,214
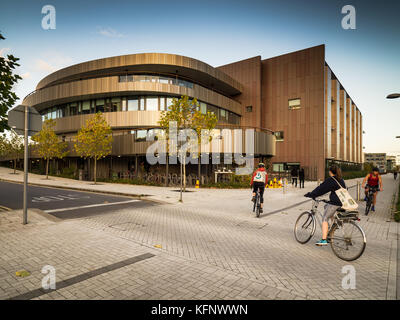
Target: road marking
58,197
89,206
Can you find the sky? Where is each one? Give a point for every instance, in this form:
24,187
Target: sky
218,32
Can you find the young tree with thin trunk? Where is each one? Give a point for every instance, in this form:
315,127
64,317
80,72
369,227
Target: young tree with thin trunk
14,148
185,112
94,140
203,124
47,145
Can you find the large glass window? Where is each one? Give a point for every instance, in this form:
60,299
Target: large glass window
133,104
203,108
73,108
162,103
294,104
169,103
141,135
100,105
85,107
116,104
152,104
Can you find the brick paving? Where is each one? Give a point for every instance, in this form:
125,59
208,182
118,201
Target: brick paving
212,251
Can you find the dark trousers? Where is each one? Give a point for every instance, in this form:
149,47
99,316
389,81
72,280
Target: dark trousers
294,181
301,182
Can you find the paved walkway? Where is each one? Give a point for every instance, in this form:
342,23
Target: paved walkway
209,247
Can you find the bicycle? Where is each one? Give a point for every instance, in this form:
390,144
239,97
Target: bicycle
257,203
370,198
340,232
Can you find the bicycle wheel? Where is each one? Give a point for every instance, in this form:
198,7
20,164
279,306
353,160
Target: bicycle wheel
304,228
368,205
258,206
348,241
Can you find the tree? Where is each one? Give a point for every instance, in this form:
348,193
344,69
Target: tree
185,112
13,148
7,81
203,124
94,140
48,146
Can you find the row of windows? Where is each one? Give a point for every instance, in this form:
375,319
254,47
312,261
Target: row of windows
137,103
158,79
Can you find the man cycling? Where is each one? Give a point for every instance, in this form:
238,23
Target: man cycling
374,182
258,181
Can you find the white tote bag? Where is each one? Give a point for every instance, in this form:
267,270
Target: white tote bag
345,198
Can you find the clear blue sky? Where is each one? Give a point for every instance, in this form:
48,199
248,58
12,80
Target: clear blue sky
366,60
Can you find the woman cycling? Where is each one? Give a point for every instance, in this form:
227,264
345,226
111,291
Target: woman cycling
329,185
374,182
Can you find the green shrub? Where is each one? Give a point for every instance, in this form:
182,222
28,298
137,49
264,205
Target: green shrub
68,173
397,214
354,174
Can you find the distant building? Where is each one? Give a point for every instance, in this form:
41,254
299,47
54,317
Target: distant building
378,159
390,162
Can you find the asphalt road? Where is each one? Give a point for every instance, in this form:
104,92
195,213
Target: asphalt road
64,203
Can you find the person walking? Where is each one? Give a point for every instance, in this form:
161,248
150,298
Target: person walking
294,173
395,175
301,178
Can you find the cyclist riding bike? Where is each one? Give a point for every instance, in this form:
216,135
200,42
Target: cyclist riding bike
258,181
374,182
331,184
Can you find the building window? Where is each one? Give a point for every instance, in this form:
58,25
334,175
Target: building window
85,107
162,103
249,109
152,104
133,105
294,104
116,104
141,135
169,103
279,135
203,108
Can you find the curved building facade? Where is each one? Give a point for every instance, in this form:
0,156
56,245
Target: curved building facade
132,91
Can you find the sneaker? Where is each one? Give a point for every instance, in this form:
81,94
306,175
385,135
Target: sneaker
373,208
253,199
261,210
322,242
365,199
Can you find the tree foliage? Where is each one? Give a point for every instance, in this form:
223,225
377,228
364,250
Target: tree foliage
47,145
94,140
187,115
12,147
7,81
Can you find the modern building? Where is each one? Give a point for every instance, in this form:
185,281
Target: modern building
302,114
378,159
390,162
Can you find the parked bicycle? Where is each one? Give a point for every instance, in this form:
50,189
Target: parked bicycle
370,198
257,203
346,237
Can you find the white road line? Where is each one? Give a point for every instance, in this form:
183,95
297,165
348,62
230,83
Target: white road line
90,206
